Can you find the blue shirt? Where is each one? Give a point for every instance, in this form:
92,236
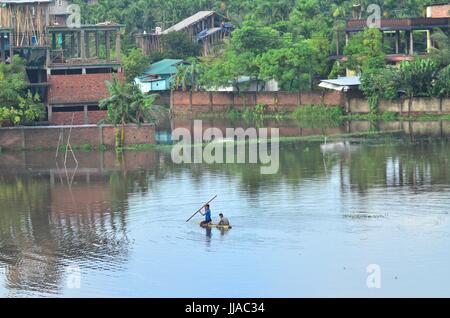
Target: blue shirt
208,215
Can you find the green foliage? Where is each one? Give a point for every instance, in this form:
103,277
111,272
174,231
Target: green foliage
127,104
441,53
17,104
134,64
416,77
187,75
318,115
222,71
288,63
420,77
441,86
337,70
260,109
364,51
379,83
389,116
179,45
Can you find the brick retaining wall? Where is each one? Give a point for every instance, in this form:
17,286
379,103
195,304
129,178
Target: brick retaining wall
17,138
185,102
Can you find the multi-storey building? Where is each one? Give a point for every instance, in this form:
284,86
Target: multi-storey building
403,38
67,64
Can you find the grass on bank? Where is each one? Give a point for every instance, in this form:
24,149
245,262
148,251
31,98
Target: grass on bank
315,115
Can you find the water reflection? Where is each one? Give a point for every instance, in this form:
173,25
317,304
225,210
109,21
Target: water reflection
49,220
120,215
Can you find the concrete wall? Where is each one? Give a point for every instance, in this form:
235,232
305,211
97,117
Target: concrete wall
419,105
197,102
17,138
183,102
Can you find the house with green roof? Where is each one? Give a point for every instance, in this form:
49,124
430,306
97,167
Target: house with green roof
158,76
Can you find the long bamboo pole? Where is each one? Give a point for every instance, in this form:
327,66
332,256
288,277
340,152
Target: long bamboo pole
201,208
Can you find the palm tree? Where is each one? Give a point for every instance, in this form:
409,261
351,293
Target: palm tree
187,75
127,104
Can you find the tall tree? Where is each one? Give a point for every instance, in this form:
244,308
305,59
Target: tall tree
365,51
17,104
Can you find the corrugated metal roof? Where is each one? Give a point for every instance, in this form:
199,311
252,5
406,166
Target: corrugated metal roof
344,81
189,21
341,83
208,32
166,66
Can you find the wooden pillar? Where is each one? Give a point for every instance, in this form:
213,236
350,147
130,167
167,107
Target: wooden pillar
2,47
108,45
86,41
411,43
397,41
82,45
72,44
78,46
118,47
429,42
97,44
406,38
11,44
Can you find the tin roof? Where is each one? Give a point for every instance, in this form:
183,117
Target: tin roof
166,66
341,83
189,21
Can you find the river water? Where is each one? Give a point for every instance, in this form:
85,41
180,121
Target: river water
115,224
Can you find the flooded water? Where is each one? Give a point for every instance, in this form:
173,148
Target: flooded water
115,224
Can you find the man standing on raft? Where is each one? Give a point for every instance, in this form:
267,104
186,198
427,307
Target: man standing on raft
207,216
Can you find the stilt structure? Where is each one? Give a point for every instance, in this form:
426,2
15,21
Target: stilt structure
205,27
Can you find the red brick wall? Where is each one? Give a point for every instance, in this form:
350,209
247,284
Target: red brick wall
440,11
47,137
79,88
65,118
275,101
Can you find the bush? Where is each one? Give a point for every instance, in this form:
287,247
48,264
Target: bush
416,77
260,109
441,86
318,115
389,116
377,84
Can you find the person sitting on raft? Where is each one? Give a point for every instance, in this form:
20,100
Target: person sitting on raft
223,220
207,216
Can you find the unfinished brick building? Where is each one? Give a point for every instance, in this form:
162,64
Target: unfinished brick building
67,65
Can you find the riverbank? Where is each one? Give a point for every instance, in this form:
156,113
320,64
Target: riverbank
368,135
80,137
315,114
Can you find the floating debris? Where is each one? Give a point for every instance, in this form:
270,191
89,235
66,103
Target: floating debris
363,215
